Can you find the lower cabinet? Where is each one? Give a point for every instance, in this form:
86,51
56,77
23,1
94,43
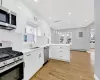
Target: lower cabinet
33,62
61,52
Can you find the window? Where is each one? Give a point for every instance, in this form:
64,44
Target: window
68,37
62,39
30,34
92,36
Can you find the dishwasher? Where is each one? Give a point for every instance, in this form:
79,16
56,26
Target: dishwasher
46,54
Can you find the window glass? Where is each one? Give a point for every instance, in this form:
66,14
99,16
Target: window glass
68,37
92,36
30,34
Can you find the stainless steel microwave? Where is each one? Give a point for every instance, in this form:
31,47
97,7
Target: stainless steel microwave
4,17
13,19
7,19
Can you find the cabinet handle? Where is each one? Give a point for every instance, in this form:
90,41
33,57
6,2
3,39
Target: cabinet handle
28,54
61,51
4,63
39,55
24,64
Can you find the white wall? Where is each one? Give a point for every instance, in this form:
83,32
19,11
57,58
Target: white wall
80,43
92,26
77,43
97,46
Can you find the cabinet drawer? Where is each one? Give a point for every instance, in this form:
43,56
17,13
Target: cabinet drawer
61,50
60,56
59,47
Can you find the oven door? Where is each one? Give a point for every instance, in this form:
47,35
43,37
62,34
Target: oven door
4,17
15,73
13,19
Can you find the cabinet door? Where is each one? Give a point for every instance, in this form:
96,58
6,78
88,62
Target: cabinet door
40,58
35,62
60,53
28,66
9,4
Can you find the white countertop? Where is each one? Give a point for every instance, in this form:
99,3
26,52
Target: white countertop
30,50
61,44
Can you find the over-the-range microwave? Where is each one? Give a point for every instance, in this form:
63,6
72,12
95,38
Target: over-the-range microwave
7,19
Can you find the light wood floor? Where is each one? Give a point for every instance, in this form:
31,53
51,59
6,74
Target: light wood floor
78,69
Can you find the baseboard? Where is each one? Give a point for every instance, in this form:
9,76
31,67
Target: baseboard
61,59
95,77
82,50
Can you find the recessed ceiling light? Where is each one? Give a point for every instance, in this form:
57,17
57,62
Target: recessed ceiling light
19,7
35,0
69,13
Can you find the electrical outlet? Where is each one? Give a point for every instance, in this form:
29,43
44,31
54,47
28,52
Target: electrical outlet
0,44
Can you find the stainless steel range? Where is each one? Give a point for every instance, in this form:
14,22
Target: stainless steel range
11,64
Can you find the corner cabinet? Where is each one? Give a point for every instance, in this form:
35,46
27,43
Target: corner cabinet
33,62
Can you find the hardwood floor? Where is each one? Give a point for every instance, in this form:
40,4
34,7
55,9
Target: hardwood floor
78,69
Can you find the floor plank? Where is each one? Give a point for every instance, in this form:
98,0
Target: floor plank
78,69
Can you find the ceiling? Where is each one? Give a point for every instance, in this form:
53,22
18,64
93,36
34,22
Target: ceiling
63,14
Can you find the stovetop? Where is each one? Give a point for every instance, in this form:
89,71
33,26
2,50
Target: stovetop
8,53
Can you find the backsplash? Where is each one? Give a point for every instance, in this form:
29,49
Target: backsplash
11,37
5,44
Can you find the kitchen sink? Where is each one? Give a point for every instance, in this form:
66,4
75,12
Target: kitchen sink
34,47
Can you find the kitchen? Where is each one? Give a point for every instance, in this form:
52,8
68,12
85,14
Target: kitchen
27,41
19,38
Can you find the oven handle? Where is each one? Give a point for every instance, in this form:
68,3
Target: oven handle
29,55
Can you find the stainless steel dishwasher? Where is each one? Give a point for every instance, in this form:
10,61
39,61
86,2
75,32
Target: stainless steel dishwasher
46,54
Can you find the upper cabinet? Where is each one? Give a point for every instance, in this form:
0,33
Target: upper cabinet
10,4
45,29
0,2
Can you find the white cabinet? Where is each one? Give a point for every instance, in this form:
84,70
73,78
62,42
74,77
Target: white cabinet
33,62
60,52
9,4
6,3
38,60
28,66
0,2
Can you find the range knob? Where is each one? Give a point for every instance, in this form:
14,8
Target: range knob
4,63
18,58
14,59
